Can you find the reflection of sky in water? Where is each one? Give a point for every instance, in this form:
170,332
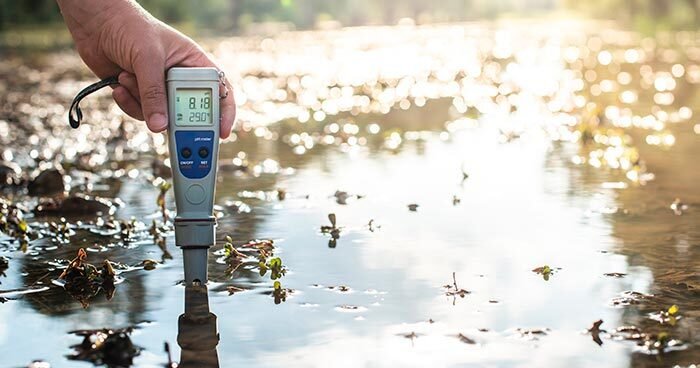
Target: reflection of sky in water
518,211
505,226
523,205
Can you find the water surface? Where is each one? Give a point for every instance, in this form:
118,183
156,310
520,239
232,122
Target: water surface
375,296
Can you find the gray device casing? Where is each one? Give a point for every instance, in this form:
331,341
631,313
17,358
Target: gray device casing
194,198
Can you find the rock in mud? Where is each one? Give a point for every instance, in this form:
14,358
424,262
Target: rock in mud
108,347
75,205
160,169
9,174
47,183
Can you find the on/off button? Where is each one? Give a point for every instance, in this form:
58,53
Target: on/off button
195,194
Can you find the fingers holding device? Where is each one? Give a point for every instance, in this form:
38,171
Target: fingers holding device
194,120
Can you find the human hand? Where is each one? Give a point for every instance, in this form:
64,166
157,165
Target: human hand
118,37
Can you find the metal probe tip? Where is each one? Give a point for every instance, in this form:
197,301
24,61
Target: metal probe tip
195,263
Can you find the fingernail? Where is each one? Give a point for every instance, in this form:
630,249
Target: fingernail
157,122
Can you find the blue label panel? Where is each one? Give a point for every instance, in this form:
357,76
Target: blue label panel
194,152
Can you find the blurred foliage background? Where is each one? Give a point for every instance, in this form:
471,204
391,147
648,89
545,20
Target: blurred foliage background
20,20
234,15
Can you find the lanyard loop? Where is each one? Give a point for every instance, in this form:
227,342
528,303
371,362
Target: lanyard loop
75,121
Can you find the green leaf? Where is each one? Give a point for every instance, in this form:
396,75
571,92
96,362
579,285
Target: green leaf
165,186
228,249
673,310
275,263
23,227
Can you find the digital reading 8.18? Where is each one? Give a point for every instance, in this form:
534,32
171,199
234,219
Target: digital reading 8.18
193,107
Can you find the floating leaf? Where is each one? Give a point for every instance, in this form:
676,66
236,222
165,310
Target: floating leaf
149,264
463,338
595,331
234,289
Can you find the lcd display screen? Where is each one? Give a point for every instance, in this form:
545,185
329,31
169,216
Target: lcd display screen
193,107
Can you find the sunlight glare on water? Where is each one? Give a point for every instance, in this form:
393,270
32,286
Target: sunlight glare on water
484,152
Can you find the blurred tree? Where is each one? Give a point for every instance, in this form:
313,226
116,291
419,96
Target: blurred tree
28,12
231,15
660,8
695,6
234,12
650,14
388,11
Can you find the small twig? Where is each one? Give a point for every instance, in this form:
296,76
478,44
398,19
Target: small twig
40,278
170,359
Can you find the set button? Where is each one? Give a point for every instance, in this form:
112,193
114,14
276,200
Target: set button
203,152
186,152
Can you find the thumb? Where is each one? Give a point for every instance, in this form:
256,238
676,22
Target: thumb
150,75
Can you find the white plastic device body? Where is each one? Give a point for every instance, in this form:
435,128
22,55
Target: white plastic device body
193,132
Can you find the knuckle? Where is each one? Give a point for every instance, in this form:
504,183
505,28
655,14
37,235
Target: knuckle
153,93
147,50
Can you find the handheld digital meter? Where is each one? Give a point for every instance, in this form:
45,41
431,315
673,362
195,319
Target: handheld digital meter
193,131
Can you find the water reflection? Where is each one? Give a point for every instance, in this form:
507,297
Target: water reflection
531,151
197,335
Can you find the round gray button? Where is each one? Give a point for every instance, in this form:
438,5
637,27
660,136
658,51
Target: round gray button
195,194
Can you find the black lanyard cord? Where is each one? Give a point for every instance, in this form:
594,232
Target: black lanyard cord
75,121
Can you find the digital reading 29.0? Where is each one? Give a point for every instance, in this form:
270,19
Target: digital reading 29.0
193,107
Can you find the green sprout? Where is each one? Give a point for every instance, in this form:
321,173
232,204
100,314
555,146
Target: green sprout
83,280
230,252
545,271
673,310
164,187
274,265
